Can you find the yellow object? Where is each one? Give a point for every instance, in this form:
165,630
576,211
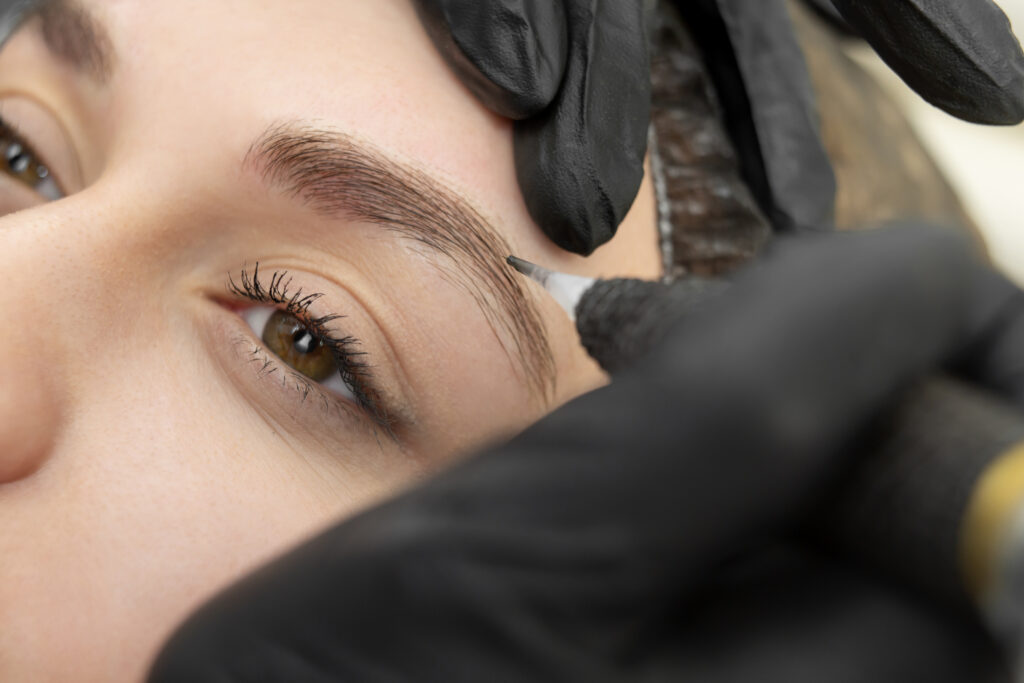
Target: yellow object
996,497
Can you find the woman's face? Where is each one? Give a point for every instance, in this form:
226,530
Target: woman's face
271,292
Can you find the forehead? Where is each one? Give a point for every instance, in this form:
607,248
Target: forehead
364,67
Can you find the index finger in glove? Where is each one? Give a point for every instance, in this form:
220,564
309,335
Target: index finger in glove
961,56
580,162
510,53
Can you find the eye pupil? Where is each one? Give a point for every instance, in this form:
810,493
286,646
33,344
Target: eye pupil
304,342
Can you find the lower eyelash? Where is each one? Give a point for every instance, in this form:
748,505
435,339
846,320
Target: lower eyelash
305,387
46,185
355,372
290,379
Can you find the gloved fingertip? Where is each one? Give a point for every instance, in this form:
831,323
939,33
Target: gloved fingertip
961,57
992,95
1004,106
580,163
577,194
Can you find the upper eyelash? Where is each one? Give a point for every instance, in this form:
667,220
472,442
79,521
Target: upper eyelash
47,185
278,292
12,132
356,373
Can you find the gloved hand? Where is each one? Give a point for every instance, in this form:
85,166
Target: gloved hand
560,555
961,56
574,74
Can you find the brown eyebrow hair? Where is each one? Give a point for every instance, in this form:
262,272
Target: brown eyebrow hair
76,37
338,176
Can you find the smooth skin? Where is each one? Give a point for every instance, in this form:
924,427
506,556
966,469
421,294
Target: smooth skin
145,459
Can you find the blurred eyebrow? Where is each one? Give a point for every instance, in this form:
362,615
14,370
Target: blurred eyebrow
337,175
73,35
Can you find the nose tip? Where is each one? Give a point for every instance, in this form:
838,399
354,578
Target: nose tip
28,420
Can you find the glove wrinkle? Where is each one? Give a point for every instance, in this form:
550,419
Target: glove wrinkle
762,80
510,54
577,185
775,75
960,56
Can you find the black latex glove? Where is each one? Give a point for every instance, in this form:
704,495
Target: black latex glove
959,55
575,74
561,555
576,77
995,357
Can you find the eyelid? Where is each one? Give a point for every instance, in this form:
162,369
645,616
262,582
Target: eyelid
279,291
14,143
19,157
279,391
48,124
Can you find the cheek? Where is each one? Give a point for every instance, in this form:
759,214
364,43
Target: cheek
158,493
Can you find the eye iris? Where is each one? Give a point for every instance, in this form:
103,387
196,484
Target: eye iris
17,160
289,338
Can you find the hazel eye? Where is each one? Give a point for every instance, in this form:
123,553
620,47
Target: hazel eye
295,344
21,163
287,336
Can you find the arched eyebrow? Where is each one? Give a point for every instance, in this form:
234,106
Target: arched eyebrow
339,176
72,34
335,174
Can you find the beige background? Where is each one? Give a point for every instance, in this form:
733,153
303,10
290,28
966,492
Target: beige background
986,165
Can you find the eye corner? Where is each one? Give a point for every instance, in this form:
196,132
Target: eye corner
233,305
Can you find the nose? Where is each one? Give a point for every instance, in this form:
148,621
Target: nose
30,408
